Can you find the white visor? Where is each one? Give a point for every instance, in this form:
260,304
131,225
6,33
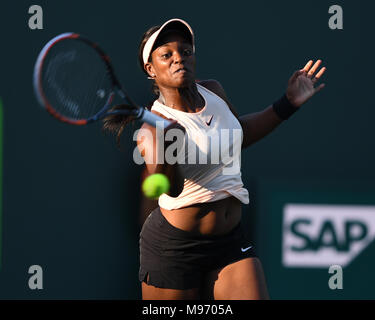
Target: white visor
150,42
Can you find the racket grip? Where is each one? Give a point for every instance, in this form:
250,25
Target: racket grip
152,118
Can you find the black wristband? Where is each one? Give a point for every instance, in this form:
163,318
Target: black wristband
283,108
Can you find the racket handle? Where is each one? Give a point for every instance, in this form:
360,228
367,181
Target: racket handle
152,118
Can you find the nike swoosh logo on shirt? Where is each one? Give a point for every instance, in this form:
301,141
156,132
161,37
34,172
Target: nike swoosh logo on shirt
245,249
209,122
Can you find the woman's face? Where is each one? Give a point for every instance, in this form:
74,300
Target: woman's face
173,62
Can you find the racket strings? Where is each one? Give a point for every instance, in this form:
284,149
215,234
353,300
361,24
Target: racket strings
75,79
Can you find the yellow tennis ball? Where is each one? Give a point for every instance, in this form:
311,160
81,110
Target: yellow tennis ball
155,185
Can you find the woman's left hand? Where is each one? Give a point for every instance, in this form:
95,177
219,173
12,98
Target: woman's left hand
301,84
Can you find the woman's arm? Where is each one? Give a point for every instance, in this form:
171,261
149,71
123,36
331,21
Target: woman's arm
257,125
147,143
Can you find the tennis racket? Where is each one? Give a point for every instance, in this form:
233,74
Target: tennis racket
75,82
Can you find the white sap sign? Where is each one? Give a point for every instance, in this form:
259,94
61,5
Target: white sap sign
318,236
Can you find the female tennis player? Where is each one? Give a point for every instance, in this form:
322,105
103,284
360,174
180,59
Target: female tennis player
192,246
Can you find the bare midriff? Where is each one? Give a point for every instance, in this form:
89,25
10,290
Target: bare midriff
212,218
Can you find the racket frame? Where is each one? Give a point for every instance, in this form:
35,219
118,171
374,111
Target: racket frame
137,112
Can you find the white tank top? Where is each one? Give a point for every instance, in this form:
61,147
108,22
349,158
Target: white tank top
214,134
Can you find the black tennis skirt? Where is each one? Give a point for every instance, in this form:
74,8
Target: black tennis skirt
177,259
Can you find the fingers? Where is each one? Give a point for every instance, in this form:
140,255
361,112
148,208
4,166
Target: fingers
314,68
320,87
319,74
310,68
308,65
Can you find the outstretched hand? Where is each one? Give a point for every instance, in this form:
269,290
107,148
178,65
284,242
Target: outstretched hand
301,83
